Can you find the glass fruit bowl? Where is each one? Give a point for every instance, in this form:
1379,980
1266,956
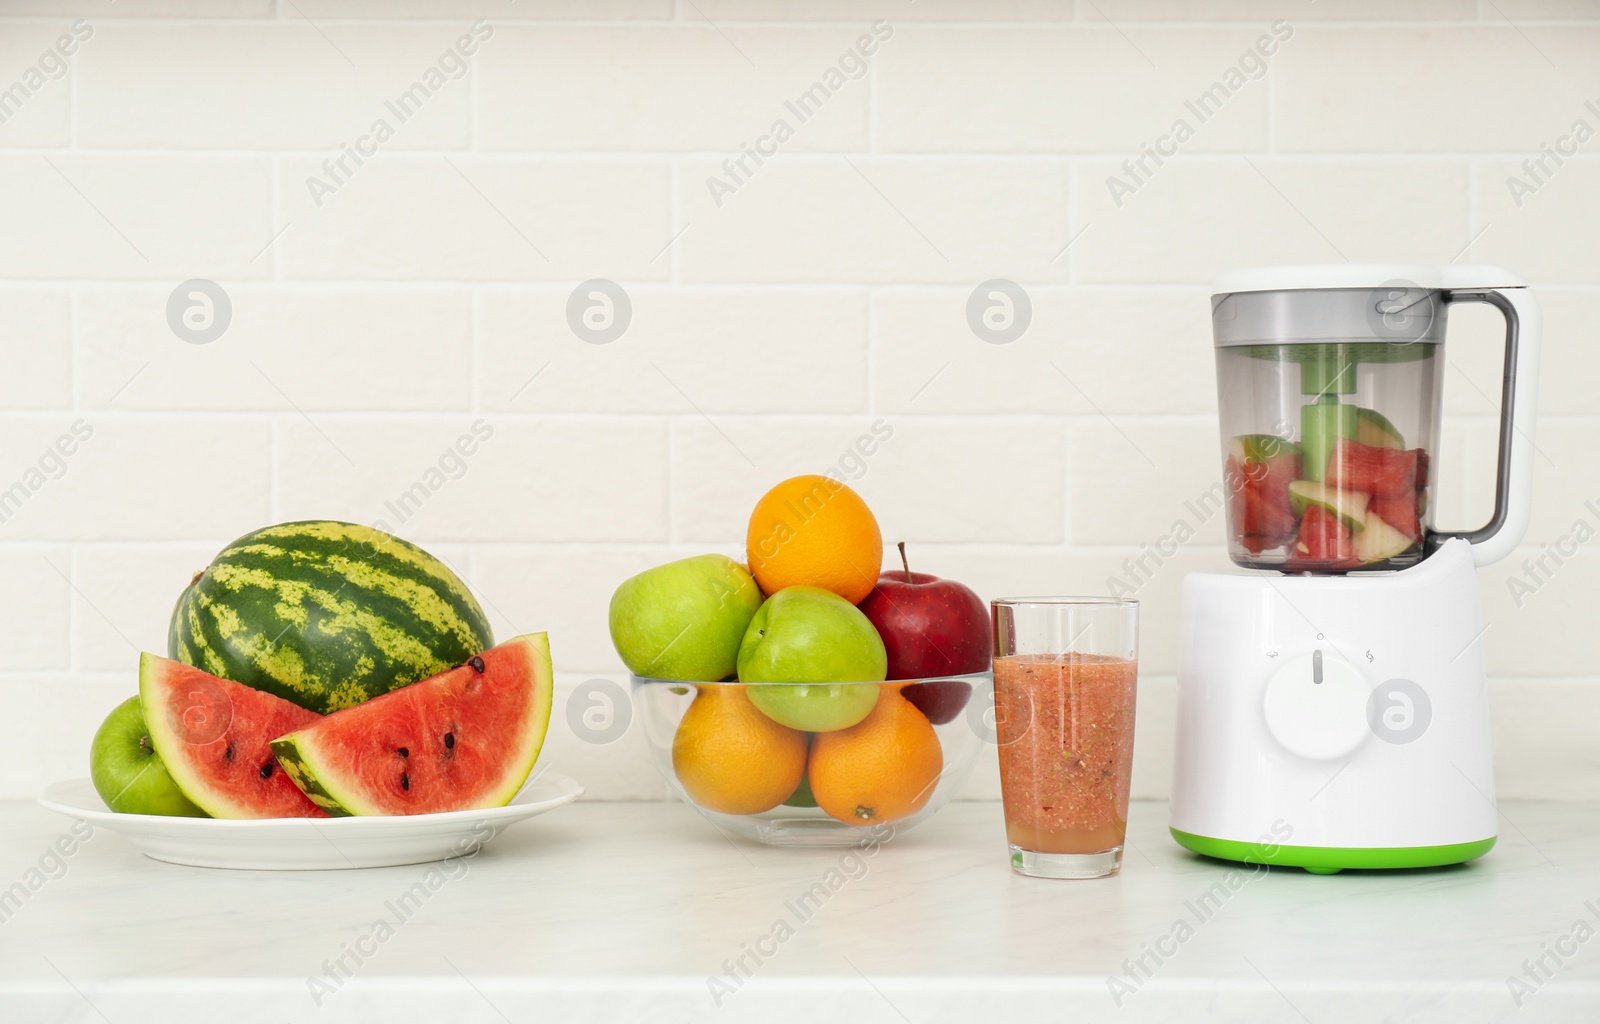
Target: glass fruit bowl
725,750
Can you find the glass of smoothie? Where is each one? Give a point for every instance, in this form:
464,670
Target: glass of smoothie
1065,675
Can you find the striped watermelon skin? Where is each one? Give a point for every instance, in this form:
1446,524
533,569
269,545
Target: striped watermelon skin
326,614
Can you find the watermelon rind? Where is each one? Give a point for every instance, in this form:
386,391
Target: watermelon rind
220,719
299,760
326,614
344,786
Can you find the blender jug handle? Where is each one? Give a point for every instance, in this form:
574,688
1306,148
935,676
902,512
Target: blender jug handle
1518,392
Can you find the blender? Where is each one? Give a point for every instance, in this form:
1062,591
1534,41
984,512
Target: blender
1332,706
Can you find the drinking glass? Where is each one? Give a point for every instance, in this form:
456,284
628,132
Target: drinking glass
1065,677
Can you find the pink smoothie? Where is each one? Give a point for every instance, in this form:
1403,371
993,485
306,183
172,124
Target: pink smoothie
1066,749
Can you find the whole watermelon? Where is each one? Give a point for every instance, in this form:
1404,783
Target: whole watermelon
326,614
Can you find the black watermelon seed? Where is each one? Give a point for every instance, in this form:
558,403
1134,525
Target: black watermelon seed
405,781
476,663
228,754
266,770
403,752
449,741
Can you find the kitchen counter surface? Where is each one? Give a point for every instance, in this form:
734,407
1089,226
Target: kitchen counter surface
637,912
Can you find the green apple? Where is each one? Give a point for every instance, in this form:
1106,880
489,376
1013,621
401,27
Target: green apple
1379,541
684,620
815,638
128,773
1374,428
801,797
1260,447
1349,506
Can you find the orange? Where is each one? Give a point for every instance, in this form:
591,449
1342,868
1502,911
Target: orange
731,758
882,769
814,531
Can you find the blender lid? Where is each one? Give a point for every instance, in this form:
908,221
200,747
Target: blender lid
1305,277
1391,304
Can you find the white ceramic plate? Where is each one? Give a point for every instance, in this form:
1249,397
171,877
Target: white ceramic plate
291,844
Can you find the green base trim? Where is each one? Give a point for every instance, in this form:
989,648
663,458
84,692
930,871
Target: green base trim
1326,860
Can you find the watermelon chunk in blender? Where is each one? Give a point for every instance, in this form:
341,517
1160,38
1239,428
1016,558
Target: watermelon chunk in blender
1381,472
1401,512
1258,472
1324,541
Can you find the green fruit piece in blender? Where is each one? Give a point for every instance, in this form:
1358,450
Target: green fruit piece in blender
1379,541
1349,506
1374,428
1260,447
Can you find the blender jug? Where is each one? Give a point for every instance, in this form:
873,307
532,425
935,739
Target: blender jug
1329,384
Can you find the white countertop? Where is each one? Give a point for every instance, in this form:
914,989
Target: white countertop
622,912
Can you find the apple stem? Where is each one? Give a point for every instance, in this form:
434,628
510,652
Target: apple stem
903,563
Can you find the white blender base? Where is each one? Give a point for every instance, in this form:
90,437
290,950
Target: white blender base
1334,722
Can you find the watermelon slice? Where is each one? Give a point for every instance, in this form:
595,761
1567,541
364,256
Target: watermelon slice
214,736
1381,472
461,740
1258,495
1324,542
1399,512
1349,506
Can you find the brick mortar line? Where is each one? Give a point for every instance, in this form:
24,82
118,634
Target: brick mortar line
562,285
274,214
567,282
445,416
800,156
693,22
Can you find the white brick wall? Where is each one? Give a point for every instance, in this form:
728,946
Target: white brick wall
422,294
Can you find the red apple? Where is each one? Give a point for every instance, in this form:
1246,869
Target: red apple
939,702
930,627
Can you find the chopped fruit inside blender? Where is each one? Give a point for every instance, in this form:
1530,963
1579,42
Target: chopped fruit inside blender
1324,541
1384,472
1349,506
1259,469
1378,541
1374,428
1403,512
1364,505
1261,447
1353,494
